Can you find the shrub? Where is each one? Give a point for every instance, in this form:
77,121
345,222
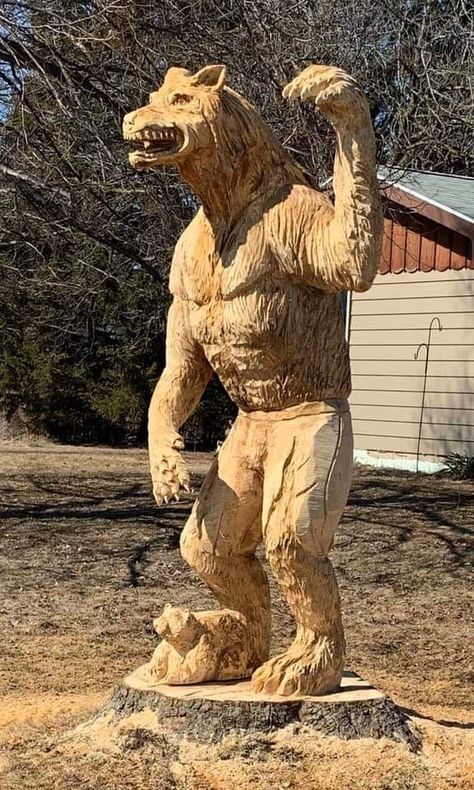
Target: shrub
460,466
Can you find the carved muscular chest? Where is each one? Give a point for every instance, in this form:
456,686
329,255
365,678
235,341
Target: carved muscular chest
232,287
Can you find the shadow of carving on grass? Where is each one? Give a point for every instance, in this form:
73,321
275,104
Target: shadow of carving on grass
74,501
409,507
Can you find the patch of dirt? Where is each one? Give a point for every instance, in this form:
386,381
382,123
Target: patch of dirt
87,560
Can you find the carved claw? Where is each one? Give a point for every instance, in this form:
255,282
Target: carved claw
333,90
169,475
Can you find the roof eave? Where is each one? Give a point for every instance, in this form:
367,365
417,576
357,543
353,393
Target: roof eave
414,201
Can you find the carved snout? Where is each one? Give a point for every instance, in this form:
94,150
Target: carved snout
128,124
138,119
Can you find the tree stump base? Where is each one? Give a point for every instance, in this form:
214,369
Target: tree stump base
209,711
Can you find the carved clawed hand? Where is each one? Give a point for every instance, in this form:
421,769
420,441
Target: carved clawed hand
168,470
336,93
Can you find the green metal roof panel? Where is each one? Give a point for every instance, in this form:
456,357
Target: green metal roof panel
453,193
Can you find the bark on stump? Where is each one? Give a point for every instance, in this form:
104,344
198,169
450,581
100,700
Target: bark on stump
209,711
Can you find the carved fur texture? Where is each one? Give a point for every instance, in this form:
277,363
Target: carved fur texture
256,279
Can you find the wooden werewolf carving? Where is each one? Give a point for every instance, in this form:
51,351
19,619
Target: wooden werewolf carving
255,280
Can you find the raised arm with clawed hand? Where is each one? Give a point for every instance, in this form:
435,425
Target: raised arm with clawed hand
341,249
176,395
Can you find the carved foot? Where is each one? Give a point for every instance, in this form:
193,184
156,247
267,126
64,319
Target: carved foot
201,646
304,669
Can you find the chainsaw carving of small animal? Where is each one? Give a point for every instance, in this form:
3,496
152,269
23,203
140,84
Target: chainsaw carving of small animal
200,645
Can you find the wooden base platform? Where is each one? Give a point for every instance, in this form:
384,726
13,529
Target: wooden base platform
208,711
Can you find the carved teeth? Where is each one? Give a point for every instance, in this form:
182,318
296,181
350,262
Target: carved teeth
152,134
155,139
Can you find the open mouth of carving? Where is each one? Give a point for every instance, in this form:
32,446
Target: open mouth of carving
155,140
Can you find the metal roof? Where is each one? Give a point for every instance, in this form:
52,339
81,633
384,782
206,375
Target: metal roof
454,194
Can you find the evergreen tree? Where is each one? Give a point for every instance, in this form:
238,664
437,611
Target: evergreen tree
86,242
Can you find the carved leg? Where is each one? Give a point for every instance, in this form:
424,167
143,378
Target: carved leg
314,662
219,542
303,507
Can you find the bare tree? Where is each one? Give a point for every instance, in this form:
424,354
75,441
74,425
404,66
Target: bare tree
85,242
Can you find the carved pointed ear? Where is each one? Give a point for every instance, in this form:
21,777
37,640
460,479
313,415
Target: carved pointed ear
210,76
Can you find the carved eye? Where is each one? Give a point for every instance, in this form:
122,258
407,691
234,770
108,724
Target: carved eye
180,98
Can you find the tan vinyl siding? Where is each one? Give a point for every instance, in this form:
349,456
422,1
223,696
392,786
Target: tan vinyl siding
404,430
388,323
402,289
437,305
395,321
430,449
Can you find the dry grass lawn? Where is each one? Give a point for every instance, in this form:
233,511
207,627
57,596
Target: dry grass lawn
87,560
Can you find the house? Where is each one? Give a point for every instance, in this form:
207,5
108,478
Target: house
412,334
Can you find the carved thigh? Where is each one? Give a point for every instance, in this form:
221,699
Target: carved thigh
307,479
226,517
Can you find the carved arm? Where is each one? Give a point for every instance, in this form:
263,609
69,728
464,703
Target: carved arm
341,247
176,395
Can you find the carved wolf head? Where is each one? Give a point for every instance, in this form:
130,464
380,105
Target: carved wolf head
179,119
194,118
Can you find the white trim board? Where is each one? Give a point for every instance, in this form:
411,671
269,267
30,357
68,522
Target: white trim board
390,461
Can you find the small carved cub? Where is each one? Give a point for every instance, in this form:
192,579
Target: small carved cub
200,646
